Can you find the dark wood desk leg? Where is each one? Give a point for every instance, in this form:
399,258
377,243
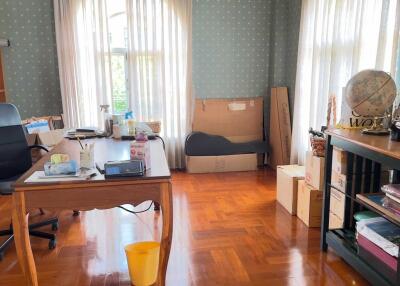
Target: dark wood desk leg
166,236
327,192
22,242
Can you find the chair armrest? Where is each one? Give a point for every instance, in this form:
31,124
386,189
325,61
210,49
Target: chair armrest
38,147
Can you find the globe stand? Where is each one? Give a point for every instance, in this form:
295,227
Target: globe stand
376,128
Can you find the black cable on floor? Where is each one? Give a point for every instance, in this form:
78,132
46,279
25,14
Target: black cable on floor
133,212
138,212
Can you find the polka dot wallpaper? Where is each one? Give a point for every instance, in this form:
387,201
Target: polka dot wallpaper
30,63
240,49
243,47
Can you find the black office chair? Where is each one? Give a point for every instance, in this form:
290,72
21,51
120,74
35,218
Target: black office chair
15,159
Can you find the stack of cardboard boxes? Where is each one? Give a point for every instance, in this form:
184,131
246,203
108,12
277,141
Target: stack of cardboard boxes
338,180
310,192
300,189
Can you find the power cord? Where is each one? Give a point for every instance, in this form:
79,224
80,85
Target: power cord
136,212
151,204
162,140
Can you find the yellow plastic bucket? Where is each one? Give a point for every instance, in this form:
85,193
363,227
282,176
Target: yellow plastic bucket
143,260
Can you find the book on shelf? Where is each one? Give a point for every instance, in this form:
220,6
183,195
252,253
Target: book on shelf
393,198
367,245
370,252
391,204
383,204
382,233
392,189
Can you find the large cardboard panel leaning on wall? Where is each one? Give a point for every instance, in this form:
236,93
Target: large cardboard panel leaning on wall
280,130
238,120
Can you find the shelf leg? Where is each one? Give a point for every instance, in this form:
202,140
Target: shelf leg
326,198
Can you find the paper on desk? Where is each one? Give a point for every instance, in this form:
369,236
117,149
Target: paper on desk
39,177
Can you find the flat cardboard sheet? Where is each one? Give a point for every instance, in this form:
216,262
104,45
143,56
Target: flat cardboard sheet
239,120
51,138
226,163
280,132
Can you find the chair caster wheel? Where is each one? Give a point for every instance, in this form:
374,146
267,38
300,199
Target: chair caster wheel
75,213
54,226
52,244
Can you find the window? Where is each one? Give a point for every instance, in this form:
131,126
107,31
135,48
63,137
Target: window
145,61
118,46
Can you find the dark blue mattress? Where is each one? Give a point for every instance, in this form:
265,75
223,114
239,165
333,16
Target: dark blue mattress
202,144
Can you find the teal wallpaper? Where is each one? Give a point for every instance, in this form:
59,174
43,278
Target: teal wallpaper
30,64
242,48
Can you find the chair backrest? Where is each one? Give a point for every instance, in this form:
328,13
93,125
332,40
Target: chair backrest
15,156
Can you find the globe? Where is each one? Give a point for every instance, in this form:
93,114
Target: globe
370,93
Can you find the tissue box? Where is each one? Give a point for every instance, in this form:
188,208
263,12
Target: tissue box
141,151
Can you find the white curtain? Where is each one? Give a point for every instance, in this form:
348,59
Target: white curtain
155,42
338,38
83,49
159,68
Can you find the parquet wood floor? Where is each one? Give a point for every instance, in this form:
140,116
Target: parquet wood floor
228,230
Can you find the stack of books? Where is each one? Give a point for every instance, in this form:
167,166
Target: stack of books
378,243
392,198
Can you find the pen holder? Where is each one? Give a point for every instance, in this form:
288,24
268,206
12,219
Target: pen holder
87,157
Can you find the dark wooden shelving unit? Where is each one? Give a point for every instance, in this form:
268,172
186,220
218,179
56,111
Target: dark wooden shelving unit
366,155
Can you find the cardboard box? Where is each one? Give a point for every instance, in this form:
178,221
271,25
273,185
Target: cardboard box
338,181
226,163
339,161
337,203
51,138
309,204
280,130
335,222
31,139
287,184
315,167
238,120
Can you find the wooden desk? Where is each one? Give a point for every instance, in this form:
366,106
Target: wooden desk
99,194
